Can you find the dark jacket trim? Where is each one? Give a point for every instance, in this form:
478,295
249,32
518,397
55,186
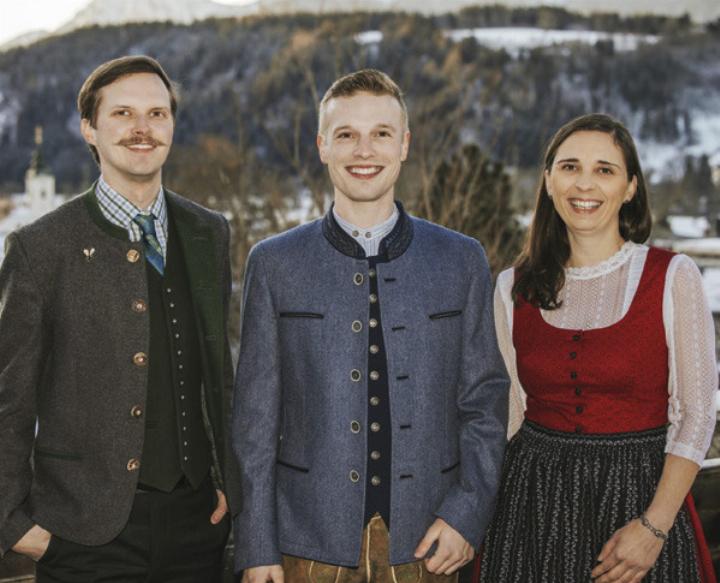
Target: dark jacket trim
93,207
391,247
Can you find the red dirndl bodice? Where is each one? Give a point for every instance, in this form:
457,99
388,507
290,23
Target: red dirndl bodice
605,380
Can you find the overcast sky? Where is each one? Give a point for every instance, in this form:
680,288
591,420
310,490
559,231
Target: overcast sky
21,16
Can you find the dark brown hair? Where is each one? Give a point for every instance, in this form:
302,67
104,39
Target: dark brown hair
368,81
89,96
539,270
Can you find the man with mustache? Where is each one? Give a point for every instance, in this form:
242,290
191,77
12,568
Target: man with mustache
371,398
114,361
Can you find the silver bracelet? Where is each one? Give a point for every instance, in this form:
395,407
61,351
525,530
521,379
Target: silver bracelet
656,531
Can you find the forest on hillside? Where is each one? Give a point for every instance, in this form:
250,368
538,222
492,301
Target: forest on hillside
479,116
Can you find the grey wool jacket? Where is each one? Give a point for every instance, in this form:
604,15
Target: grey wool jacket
295,399
71,334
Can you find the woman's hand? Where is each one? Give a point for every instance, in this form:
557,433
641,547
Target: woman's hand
628,555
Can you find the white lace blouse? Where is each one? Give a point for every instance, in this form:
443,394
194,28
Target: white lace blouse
599,296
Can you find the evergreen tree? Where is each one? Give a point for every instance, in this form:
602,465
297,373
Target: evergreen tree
472,194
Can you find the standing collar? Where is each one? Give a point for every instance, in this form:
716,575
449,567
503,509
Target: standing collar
391,247
368,238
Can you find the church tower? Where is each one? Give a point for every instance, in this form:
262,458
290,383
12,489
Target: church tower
39,182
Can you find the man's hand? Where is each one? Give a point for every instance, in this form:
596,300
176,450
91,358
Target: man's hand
453,551
628,555
264,574
221,508
34,543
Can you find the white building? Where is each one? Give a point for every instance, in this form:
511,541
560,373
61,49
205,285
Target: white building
39,196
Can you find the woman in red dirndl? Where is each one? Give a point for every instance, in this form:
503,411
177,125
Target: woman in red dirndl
611,350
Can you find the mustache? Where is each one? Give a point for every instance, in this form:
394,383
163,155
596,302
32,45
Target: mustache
148,140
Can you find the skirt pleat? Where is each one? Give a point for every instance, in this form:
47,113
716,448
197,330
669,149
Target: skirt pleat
563,495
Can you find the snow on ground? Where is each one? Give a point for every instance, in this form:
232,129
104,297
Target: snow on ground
368,37
20,215
706,133
525,219
661,161
711,282
666,160
692,227
515,39
305,210
9,113
708,247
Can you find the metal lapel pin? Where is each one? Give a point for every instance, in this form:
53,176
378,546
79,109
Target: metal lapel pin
89,253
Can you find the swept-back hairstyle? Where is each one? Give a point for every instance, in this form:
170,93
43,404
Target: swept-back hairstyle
363,81
89,96
539,270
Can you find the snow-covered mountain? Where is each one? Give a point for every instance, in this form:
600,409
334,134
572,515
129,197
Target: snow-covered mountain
25,39
113,12
116,12
699,10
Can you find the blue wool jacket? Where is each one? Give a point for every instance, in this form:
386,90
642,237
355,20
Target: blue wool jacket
295,399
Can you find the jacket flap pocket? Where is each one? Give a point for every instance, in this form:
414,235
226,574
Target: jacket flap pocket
292,466
57,454
301,315
291,454
449,468
448,314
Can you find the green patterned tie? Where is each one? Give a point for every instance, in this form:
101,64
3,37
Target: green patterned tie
153,250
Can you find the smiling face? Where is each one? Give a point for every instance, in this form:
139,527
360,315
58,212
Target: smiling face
364,143
132,130
588,182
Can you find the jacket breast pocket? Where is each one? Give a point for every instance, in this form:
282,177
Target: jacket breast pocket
309,315
301,330
43,452
445,314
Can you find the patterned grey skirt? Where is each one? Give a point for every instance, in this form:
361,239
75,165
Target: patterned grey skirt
563,495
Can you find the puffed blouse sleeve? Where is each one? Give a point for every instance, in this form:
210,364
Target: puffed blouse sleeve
503,324
693,381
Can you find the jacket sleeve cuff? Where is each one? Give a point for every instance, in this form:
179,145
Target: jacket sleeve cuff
251,552
458,510
15,527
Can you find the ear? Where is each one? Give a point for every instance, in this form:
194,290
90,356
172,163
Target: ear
322,147
87,131
631,189
546,178
405,146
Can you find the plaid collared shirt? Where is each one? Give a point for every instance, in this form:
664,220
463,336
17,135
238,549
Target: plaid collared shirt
120,211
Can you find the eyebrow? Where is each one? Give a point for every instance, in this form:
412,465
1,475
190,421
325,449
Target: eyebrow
151,108
604,162
379,126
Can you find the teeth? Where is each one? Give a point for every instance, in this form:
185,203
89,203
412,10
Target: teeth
141,146
585,204
365,170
